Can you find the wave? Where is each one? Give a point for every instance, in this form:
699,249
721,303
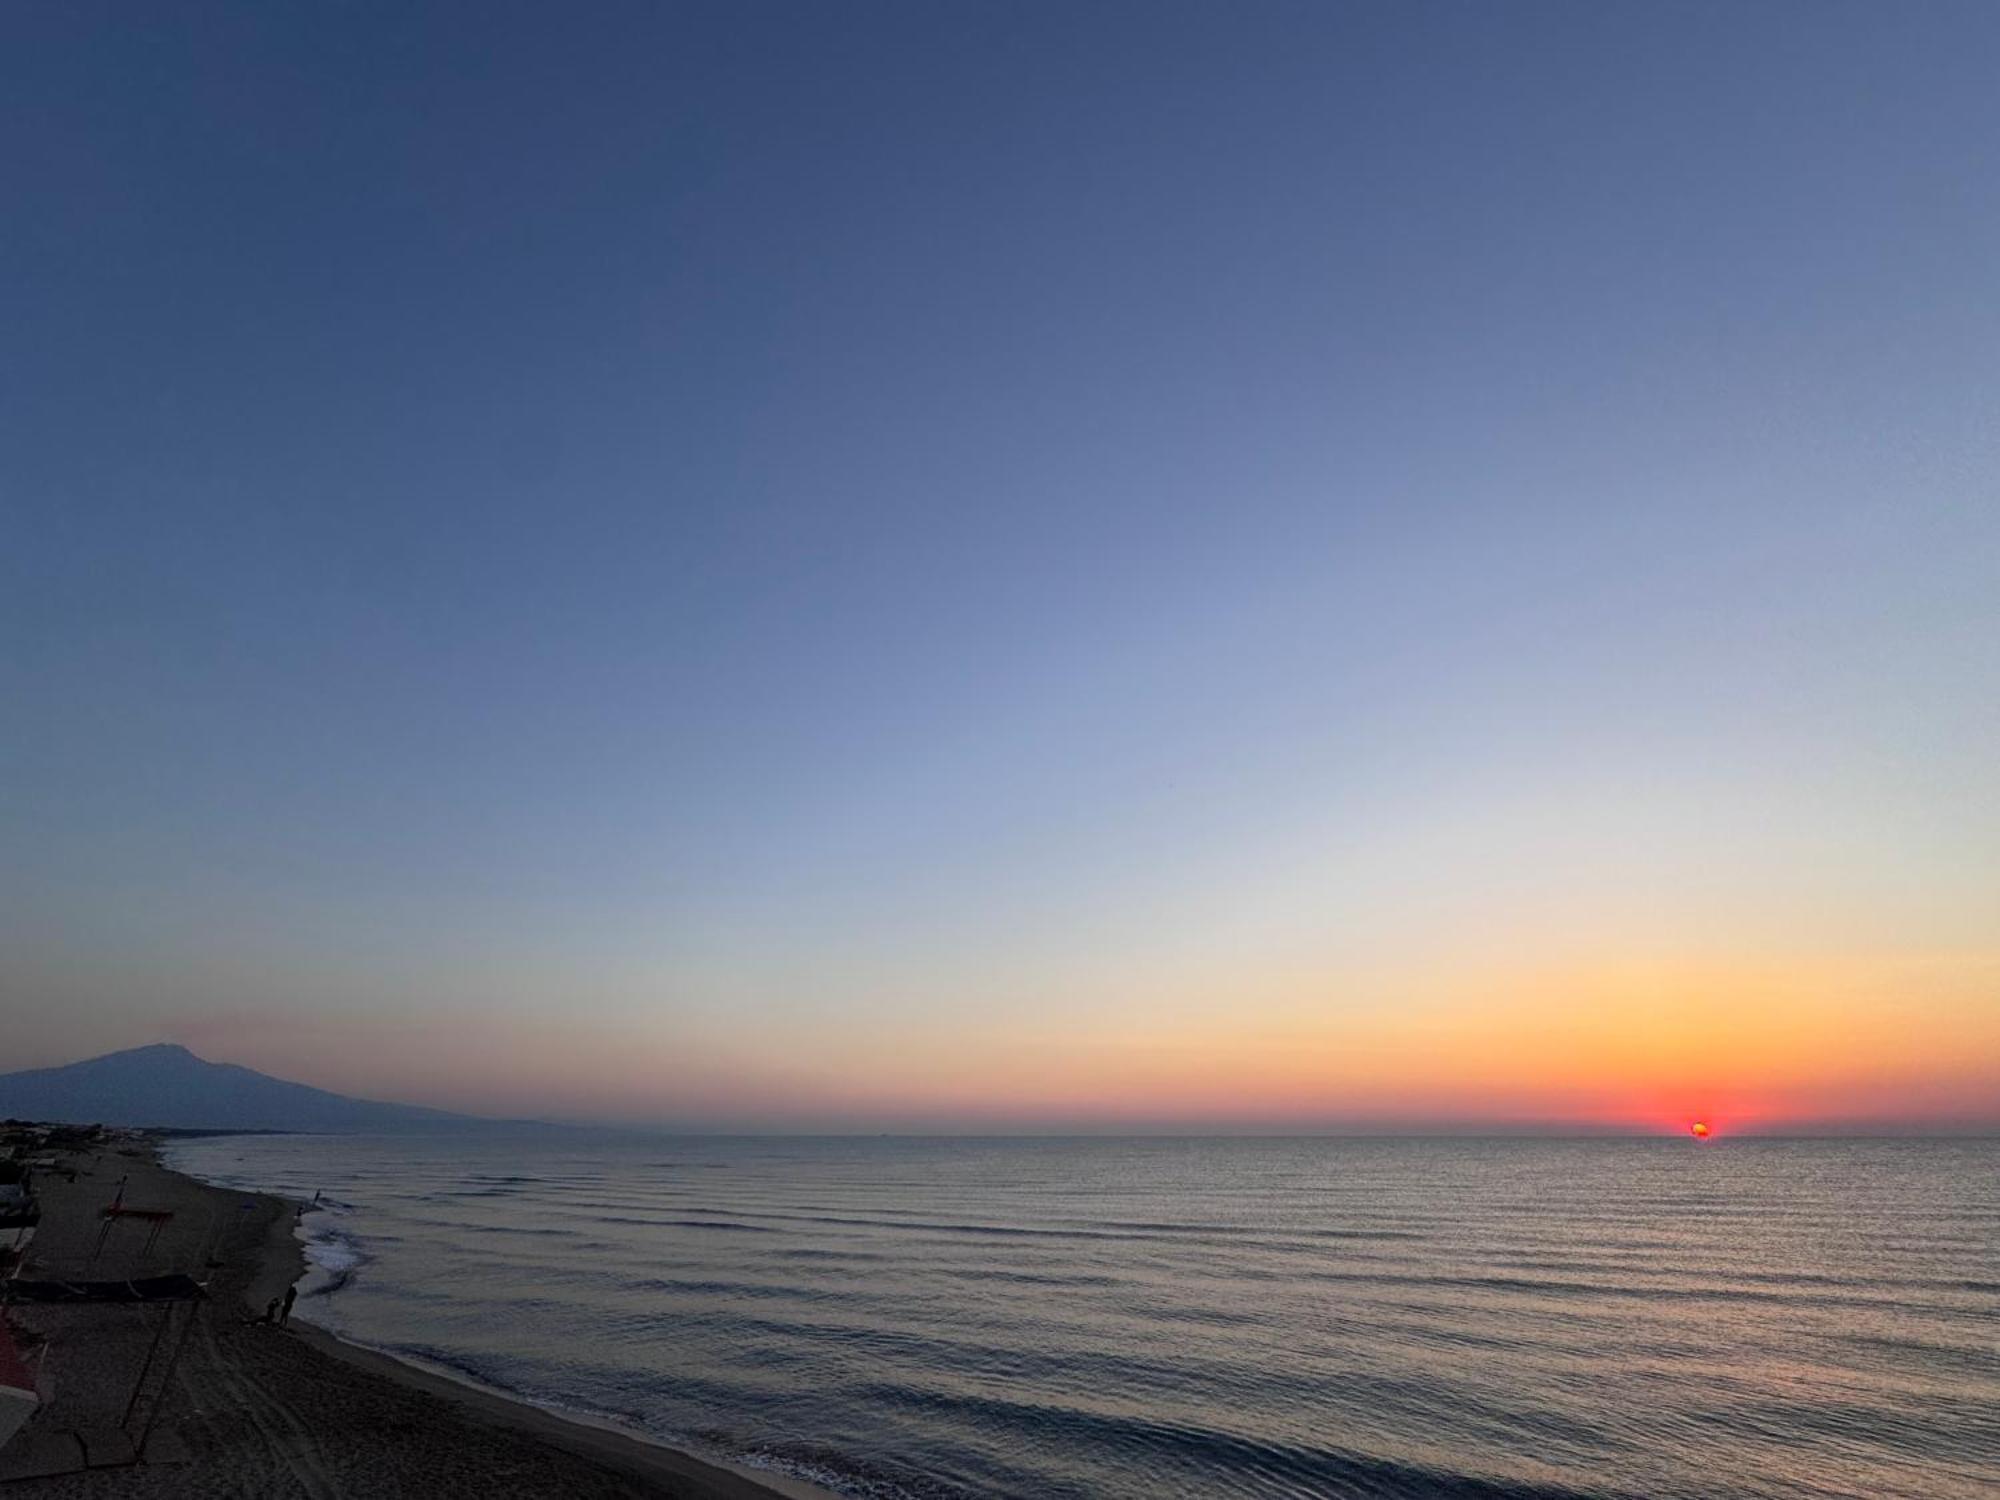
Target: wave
333,1256
1026,1278
722,1224
1191,1451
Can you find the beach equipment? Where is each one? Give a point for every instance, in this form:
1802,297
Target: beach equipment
173,1288
18,1220
156,1219
17,1387
149,1388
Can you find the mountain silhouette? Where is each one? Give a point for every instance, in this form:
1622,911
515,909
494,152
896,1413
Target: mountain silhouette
169,1087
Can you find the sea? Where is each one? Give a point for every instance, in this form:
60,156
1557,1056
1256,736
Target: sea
904,1319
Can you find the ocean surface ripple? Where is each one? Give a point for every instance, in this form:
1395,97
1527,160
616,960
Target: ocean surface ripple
924,1319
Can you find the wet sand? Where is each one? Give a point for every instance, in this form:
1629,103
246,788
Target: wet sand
256,1410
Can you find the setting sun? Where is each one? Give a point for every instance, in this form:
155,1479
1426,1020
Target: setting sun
1699,1130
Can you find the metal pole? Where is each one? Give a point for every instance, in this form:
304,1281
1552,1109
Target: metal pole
152,1349
208,1243
167,1377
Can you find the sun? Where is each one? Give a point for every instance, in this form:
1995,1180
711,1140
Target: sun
1699,1130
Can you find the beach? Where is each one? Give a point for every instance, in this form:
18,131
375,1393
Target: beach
254,1409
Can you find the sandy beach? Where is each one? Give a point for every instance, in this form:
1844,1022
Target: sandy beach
258,1410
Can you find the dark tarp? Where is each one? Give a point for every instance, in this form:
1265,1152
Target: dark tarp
145,1289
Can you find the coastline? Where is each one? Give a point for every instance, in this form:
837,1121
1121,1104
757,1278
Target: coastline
298,1410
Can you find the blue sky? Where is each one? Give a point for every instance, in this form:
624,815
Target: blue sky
739,536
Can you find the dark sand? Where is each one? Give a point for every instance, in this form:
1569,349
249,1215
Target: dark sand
254,1410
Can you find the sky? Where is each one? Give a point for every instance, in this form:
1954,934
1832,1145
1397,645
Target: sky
1010,567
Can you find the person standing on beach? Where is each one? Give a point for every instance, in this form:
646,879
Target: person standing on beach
285,1313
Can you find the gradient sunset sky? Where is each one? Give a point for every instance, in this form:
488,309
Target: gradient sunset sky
1015,567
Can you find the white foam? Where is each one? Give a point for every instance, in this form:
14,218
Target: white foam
332,1255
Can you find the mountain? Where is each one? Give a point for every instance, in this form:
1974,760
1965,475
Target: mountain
168,1086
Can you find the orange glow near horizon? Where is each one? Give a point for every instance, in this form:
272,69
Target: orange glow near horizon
1737,1047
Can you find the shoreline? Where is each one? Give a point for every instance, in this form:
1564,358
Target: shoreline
285,1263
598,1438
300,1410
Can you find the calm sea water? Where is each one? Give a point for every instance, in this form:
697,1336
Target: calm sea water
902,1318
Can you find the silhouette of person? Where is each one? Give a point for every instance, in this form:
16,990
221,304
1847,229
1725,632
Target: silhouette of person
285,1313
271,1311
